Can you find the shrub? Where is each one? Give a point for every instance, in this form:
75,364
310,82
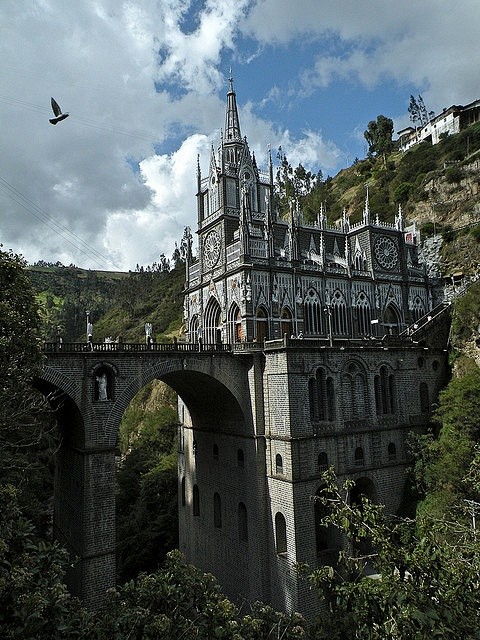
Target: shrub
453,175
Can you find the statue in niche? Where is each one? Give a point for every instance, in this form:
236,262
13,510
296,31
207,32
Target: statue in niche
102,386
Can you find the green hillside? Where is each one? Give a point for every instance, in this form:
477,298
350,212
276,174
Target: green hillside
119,303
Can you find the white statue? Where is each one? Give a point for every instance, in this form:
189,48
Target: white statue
102,386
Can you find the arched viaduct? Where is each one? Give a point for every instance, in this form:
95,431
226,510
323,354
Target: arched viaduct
214,386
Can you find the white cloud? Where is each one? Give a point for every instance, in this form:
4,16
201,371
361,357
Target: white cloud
114,182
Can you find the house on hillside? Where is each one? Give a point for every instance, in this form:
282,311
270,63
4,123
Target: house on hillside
450,121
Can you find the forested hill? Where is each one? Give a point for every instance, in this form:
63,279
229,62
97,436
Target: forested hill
119,303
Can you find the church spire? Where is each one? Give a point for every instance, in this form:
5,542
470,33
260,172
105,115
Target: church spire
232,123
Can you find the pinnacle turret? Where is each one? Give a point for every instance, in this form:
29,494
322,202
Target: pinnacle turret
232,123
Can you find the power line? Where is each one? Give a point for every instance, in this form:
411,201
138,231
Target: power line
93,124
61,230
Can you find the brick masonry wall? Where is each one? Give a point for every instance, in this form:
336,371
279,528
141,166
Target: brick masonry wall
256,403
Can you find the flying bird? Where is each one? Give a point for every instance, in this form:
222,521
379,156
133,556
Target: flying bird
59,116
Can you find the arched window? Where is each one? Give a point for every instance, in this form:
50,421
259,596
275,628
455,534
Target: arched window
286,322
240,458
215,451
424,398
354,391
384,384
242,522
212,323
418,309
193,330
217,511
184,498
321,397
278,464
321,531
312,321
196,500
234,324
338,308
261,324
363,313
359,458
313,399
392,452
322,461
280,533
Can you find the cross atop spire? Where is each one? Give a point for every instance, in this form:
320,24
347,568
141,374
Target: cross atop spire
232,123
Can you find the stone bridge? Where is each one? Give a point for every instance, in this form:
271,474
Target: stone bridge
91,386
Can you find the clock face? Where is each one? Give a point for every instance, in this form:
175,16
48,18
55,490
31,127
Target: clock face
211,249
386,252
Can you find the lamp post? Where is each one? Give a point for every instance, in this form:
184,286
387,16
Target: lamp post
328,311
89,329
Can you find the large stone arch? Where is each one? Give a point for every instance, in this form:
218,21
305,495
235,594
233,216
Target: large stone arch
213,386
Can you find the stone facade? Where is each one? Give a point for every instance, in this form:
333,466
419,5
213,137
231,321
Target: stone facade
339,376
308,347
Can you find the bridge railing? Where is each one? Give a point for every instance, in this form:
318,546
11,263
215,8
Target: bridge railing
133,347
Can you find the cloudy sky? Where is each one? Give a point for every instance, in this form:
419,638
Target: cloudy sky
145,84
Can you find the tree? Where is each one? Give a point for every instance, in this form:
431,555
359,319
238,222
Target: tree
427,574
26,426
418,111
379,137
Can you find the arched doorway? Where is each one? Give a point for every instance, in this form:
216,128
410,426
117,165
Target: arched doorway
261,325
234,324
391,320
212,322
286,322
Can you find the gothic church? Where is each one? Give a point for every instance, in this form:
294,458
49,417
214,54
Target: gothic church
328,323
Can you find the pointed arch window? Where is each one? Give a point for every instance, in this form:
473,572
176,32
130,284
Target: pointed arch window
196,500
312,314
193,329
338,309
359,457
280,533
321,397
322,462
217,511
384,384
240,458
184,497
392,452
424,398
363,312
212,323
278,464
418,309
322,532
354,391
242,522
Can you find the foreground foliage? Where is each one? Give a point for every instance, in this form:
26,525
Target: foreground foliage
426,578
